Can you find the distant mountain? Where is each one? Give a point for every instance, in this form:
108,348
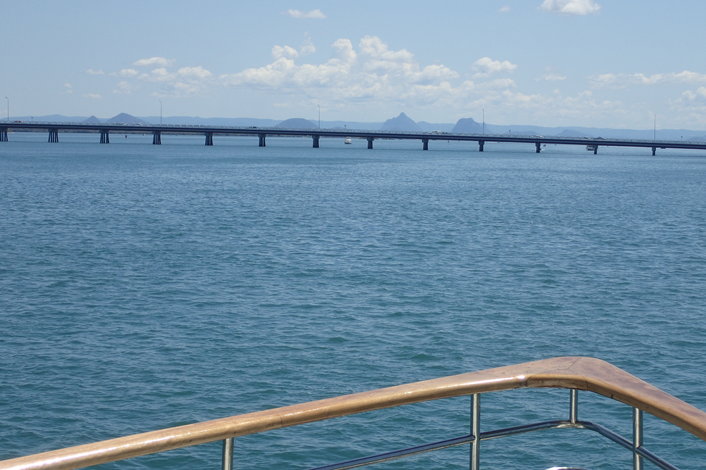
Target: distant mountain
52,118
124,118
214,121
400,123
297,123
467,126
572,133
91,120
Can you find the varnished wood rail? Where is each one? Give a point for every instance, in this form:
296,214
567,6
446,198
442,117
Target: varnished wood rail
577,373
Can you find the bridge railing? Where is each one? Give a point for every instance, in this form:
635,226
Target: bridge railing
329,132
573,373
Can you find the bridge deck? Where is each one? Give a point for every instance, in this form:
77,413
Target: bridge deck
316,134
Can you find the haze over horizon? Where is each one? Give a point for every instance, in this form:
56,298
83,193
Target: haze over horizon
586,63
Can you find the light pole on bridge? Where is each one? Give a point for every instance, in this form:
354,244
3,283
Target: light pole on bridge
8,108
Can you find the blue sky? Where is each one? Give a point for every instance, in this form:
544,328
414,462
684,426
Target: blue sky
598,63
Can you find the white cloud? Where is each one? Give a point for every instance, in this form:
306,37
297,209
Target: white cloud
692,101
183,81
271,75
68,89
93,96
620,80
691,106
498,84
571,7
308,46
517,106
185,88
313,14
375,48
685,76
123,88
358,75
434,73
372,71
197,72
486,66
505,9
158,61
516,98
128,73
284,51
696,95
159,74
553,77
283,71
344,50
604,79
95,72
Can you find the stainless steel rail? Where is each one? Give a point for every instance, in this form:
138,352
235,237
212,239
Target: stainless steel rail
475,437
573,373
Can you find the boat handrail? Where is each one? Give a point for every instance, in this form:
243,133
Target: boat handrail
574,373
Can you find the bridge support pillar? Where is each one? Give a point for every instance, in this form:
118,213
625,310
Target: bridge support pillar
654,151
53,135
261,139
425,144
481,144
316,141
209,138
3,134
595,150
537,147
370,143
157,138
105,136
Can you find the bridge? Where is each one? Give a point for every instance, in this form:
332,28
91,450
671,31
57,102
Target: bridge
262,133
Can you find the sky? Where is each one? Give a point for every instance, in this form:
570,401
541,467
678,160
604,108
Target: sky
595,63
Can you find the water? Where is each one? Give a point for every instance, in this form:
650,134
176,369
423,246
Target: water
151,286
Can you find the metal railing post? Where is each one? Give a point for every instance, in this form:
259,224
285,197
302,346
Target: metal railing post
636,438
475,431
573,405
563,372
227,460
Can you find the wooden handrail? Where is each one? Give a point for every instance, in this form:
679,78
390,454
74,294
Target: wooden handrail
581,373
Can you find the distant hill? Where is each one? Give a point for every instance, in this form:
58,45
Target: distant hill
400,123
297,123
421,126
216,121
91,120
124,118
52,118
572,133
467,126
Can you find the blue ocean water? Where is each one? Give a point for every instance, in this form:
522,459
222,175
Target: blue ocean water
143,287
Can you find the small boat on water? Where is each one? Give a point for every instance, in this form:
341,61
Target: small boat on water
347,140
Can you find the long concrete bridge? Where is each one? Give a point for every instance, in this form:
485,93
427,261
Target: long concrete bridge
262,133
